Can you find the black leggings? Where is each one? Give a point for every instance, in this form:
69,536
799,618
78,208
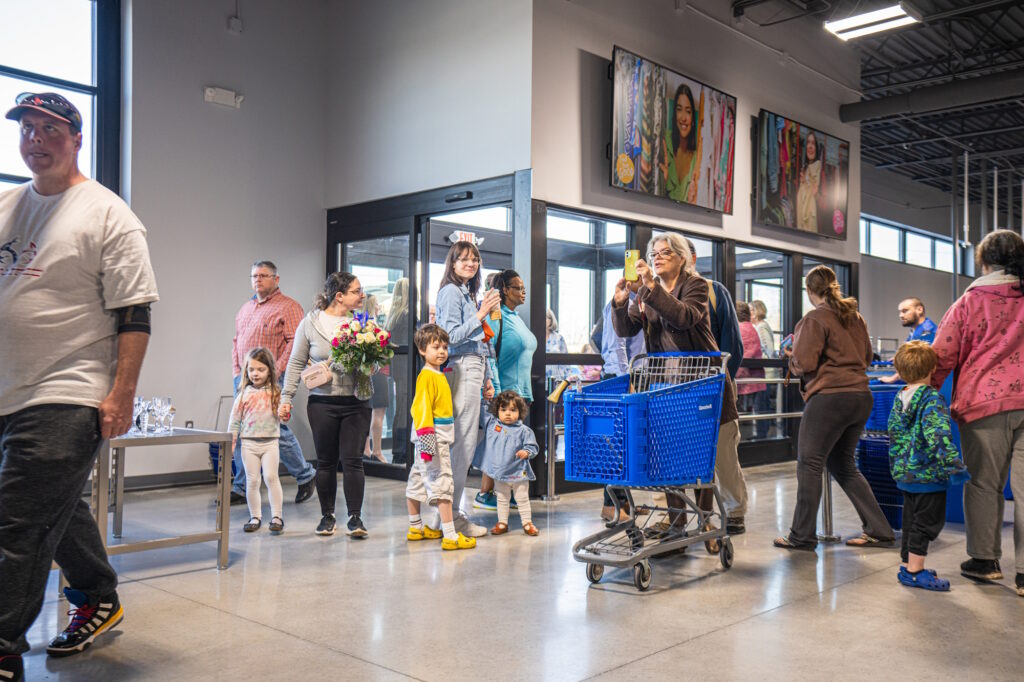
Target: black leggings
340,425
924,515
831,425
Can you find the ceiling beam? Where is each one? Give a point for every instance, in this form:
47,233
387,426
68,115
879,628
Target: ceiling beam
939,138
958,93
1001,153
977,71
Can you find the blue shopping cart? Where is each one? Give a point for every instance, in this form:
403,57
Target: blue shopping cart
655,429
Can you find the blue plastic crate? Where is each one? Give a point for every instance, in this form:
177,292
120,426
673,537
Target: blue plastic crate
666,436
883,396
892,499
893,514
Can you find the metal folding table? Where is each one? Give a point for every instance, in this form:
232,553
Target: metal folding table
110,466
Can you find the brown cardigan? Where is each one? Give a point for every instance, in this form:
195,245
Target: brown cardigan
674,321
828,357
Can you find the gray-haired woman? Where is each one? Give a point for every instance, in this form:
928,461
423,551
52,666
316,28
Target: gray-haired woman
671,308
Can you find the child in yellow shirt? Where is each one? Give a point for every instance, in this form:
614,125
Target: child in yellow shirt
430,479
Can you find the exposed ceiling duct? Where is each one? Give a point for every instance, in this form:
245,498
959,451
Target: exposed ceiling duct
959,93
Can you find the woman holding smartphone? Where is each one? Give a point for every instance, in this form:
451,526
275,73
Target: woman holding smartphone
459,315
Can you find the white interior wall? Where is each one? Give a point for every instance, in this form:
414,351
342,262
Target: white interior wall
884,283
572,49
425,94
899,199
218,188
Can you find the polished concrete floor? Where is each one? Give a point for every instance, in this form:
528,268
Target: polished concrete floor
302,607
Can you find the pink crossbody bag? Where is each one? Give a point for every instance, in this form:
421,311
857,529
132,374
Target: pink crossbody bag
316,374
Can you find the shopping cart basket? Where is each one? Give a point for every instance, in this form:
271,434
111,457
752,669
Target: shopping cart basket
655,429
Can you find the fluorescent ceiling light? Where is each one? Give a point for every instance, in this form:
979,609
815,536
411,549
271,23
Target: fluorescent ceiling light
757,262
870,22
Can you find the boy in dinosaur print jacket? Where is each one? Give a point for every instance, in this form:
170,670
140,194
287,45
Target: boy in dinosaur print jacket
923,459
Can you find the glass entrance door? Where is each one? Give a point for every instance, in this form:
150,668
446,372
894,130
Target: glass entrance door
400,264
382,265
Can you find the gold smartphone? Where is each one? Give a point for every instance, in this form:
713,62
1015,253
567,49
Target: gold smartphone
629,271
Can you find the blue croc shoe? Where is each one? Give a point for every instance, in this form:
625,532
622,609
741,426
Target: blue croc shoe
926,580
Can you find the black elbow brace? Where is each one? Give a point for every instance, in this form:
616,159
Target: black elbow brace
133,318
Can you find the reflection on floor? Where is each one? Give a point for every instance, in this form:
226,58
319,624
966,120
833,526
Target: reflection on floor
302,607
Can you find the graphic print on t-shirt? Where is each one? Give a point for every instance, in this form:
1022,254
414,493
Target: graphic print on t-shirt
13,262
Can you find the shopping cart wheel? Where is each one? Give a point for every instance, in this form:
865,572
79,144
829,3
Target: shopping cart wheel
595,572
642,575
726,554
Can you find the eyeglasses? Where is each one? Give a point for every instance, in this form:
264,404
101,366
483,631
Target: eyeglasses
522,287
358,292
260,275
471,261
664,253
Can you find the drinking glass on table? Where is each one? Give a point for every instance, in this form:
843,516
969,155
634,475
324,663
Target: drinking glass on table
159,411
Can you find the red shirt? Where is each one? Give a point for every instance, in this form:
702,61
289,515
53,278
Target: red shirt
270,323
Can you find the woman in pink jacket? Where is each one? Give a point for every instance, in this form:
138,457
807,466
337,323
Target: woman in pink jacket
751,397
981,339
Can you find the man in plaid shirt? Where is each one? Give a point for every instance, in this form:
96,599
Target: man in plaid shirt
269,319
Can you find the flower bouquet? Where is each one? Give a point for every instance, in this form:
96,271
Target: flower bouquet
360,346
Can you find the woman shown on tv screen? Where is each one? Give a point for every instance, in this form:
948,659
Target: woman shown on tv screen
681,165
810,182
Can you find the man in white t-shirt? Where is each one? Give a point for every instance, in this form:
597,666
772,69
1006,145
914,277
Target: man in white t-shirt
75,289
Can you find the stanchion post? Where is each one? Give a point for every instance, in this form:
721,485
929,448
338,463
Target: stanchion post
552,453
827,534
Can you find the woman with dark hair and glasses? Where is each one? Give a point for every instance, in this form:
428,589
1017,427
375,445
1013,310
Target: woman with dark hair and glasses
340,421
460,316
981,339
514,345
681,165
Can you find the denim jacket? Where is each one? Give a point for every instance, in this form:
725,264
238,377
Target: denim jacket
456,314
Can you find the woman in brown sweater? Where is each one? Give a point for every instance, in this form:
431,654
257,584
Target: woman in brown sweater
671,308
831,351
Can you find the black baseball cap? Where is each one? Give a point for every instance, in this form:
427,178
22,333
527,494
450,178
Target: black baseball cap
47,103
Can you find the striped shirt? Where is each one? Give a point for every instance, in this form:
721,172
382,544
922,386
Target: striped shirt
270,323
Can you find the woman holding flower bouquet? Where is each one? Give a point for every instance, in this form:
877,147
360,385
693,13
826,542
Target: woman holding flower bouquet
459,315
339,406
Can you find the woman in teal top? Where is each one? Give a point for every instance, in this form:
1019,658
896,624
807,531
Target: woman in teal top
513,345
513,342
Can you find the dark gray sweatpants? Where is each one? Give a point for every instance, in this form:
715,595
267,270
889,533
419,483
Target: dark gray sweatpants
46,455
829,429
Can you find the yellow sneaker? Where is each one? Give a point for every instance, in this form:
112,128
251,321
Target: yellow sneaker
461,542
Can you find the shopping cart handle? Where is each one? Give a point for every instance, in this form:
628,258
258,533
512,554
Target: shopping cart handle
556,394
690,354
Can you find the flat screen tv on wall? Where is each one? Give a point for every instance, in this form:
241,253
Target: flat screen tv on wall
802,177
672,136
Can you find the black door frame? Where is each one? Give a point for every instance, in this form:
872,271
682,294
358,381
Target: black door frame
410,215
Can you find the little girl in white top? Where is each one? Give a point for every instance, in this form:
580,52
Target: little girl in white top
254,419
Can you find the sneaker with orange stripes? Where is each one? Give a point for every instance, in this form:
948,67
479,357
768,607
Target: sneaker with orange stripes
88,621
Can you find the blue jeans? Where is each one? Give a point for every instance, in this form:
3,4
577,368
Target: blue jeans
291,457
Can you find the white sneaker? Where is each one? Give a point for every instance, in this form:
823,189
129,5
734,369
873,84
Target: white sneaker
468,528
